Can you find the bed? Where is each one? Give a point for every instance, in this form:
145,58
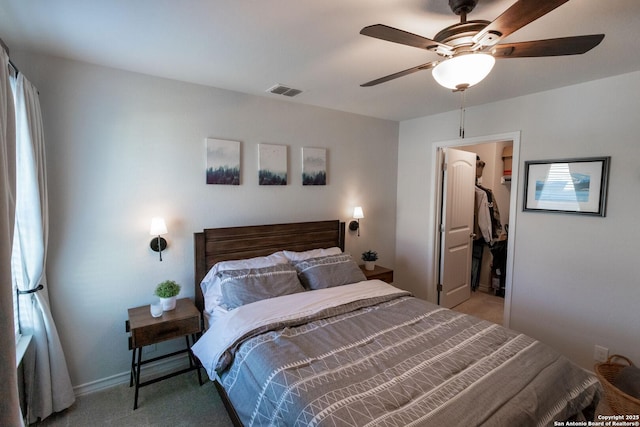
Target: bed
332,348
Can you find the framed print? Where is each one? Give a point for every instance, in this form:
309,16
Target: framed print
273,164
576,186
223,162
314,166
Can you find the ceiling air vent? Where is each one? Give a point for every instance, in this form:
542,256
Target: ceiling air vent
283,90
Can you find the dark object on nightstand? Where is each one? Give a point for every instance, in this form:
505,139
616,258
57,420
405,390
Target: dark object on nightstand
183,321
381,273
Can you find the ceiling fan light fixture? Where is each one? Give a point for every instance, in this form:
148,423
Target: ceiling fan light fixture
462,71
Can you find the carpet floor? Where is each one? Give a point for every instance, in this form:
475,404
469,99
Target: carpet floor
177,401
483,305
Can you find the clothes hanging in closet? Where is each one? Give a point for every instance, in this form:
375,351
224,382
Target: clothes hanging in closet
494,214
487,215
476,263
482,216
487,229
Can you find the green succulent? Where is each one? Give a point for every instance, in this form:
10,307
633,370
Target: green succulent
370,256
167,289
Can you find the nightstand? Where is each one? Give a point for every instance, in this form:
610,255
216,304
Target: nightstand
183,321
382,273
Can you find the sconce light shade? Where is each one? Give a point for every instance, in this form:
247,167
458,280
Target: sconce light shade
158,228
463,71
357,214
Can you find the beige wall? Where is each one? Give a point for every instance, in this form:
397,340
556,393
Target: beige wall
575,278
123,147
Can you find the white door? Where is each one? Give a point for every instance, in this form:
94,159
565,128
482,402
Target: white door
456,231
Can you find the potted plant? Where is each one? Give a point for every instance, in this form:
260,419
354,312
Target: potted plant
369,258
167,292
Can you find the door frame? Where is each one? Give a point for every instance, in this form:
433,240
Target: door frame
438,155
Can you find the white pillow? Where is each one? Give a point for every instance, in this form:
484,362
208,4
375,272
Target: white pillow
313,253
214,314
210,285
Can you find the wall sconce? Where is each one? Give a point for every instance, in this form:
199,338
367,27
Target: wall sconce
357,214
158,228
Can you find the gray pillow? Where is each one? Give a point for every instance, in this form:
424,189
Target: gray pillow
240,287
328,271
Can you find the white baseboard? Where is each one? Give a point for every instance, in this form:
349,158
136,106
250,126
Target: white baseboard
157,368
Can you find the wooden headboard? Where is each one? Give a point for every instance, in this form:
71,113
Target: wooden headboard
222,244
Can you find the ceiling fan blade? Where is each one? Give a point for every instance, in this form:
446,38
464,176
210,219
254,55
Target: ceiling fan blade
384,32
426,66
521,13
550,47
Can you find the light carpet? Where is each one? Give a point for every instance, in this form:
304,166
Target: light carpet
483,305
177,401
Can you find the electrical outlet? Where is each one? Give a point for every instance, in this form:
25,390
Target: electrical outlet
600,354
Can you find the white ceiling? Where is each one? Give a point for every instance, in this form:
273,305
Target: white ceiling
250,45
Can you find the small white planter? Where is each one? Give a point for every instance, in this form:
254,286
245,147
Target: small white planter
369,265
168,304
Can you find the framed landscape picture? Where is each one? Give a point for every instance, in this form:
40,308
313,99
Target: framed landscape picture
576,186
314,166
223,162
273,164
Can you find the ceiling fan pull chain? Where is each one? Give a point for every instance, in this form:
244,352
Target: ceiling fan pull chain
462,111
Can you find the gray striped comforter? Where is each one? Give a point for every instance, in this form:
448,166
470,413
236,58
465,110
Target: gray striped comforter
397,361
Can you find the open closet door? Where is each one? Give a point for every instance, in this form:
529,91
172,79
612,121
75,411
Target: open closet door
456,230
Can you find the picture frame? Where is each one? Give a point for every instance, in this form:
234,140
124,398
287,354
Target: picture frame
223,161
273,164
570,186
314,166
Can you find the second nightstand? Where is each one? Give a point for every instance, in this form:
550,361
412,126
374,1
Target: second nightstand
382,273
183,321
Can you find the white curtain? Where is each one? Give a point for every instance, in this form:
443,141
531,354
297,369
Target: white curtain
9,402
50,389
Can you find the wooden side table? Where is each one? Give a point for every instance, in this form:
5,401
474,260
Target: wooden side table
378,272
183,321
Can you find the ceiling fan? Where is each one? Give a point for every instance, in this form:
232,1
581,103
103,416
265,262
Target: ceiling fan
469,48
